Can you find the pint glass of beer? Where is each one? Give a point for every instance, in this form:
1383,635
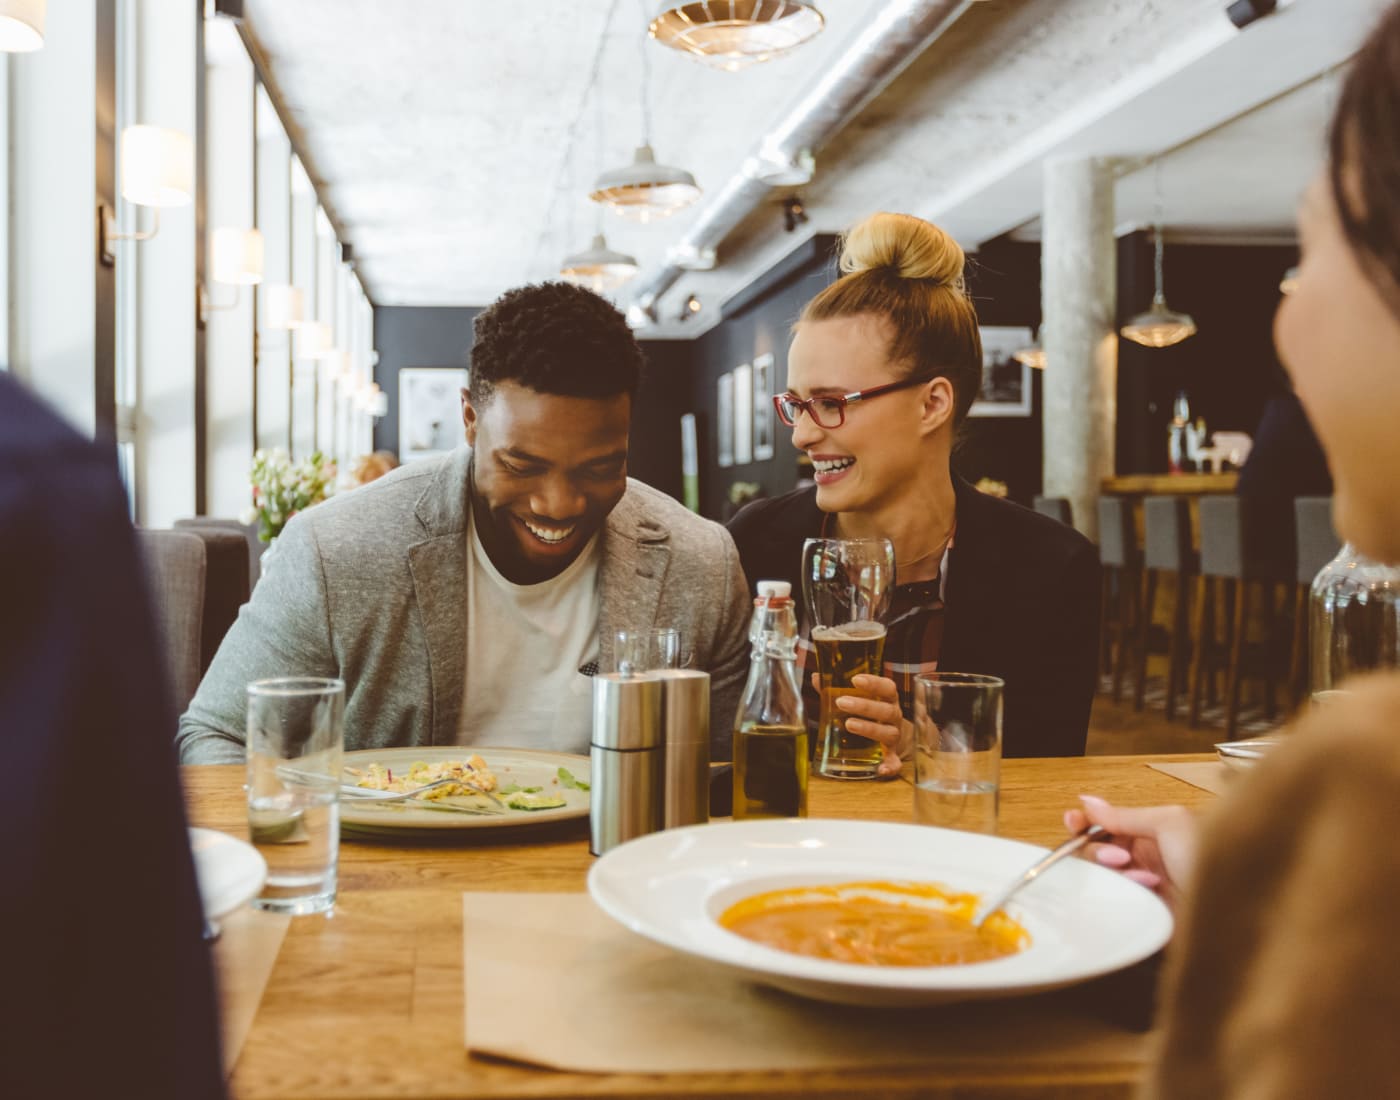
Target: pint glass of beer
847,585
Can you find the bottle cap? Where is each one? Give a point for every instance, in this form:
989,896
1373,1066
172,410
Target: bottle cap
780,589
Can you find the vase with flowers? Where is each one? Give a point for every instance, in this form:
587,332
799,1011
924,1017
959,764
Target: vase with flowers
283,487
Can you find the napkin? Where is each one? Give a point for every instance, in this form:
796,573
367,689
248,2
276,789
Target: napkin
552,981
1210,775
244,954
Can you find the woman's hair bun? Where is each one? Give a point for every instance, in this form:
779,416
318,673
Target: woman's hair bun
905,246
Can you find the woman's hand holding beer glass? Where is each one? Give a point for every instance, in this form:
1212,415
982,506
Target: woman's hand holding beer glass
847,585
876,714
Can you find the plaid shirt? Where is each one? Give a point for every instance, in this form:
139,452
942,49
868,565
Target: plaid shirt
913,639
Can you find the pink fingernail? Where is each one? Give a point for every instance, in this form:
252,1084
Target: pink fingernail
1093,800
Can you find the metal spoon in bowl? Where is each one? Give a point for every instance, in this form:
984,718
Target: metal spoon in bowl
1068,848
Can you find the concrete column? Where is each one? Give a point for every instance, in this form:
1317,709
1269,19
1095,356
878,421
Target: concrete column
1078,277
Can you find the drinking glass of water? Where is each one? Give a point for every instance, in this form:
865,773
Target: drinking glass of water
295,739
957,750
649,650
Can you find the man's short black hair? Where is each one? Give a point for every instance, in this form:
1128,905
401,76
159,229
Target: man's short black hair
554,338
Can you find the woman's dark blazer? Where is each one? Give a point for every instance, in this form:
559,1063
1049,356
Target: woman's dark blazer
1021,602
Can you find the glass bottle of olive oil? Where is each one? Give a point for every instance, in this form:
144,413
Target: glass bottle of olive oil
770,733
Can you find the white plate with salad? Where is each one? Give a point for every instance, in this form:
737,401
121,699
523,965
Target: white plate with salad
530,788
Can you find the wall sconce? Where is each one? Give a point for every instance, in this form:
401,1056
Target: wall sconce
21,26
286,307
235,259
313,341
157,171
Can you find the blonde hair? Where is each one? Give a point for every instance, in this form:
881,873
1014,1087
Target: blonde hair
910,272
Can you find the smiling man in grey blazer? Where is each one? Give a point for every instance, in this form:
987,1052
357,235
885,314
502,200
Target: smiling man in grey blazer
467,600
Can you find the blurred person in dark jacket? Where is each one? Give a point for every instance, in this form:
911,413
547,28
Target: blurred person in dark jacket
108,987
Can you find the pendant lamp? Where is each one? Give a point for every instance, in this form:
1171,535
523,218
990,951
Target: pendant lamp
734,34
645,190
598,267
1159,327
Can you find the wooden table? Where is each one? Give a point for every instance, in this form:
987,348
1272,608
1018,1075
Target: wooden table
368,1002
1169,484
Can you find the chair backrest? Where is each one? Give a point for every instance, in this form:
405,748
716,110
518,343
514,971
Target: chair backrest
226,585
175,565
1316,538
1166,533
1222,537
249,531
1117,532
1056,508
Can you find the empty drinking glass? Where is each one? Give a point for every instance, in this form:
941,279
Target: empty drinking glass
295,741
847,585
957,750
648,650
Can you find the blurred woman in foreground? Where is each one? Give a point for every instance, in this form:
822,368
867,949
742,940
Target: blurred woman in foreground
1285,977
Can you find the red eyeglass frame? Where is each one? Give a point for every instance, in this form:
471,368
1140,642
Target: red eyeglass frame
806,403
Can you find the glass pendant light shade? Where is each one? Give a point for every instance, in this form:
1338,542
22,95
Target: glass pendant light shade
598,267
1032,355
734,34
21,26
1159,327
645,190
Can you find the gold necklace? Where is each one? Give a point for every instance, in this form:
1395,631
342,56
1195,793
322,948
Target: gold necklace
939,549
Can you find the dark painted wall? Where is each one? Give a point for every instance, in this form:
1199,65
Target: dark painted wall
1229,369
1004,280
416,336
426,336
761,327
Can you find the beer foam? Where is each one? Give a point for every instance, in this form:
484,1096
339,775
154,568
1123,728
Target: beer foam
863,631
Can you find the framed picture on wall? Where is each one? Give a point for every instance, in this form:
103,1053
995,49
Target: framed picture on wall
743,415
1006,384
763,408
430,411
724,421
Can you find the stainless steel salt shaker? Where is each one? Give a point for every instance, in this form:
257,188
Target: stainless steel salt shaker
685,723
626,759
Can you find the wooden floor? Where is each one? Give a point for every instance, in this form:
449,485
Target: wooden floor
1115,728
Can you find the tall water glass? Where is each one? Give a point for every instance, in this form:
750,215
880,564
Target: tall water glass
957,750
847,585
295,740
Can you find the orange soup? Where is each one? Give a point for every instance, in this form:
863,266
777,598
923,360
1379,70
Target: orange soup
875,923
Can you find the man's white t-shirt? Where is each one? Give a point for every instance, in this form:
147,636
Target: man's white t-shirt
525,645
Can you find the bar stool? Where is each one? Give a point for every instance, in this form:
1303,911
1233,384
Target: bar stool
1225,558
1057,508
1122,561
1317,544
1167,548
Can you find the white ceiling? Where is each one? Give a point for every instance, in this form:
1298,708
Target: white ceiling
453,142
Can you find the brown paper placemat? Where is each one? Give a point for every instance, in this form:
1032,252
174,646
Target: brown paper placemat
1209,775
552,981
244,955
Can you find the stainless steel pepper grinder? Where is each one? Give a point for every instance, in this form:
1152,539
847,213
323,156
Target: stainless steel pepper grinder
626,756
685,726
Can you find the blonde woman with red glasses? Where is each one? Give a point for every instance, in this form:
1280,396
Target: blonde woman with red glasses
883,367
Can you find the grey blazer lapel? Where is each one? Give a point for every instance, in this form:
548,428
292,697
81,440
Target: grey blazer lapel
635,556
439,586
